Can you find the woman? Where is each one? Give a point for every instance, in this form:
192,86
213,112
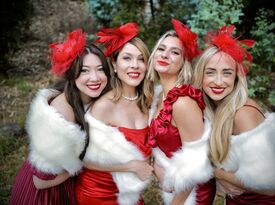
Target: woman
242,144
56,124
116,167
178,133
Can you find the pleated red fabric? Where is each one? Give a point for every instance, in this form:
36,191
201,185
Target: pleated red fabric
25,193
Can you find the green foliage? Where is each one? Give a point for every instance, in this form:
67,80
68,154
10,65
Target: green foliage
260,80
23,86
103,10
212,14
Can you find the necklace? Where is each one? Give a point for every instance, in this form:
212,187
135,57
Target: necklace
130,98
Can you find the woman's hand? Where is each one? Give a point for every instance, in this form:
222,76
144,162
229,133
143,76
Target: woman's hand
142,169
44,184
159,173
229,188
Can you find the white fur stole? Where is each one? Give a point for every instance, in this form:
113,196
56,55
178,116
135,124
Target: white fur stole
252,155
108,146
55,143
188,167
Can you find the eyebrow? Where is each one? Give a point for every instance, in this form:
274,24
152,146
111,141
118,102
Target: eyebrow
127,53
173,47
224,69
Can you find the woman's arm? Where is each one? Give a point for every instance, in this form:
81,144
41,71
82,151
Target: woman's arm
180,198
141,168
188,118
234,186
44,184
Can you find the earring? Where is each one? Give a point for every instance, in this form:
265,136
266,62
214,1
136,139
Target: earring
115,70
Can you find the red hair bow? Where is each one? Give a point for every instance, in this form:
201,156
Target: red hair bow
63,54
188,38
115,38
226,42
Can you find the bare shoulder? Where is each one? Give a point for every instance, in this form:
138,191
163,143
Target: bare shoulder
186,105
188,118
63,107
247,117
103,107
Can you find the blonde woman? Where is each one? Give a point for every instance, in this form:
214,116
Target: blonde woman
117,169
242,143
178,131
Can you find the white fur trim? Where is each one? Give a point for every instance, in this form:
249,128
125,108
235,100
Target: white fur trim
153,109
252,155
188,166
55,143
108,146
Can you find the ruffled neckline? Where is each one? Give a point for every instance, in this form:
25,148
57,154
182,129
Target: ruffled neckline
160,124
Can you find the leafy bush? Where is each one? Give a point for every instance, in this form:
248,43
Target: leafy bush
262,78
212,14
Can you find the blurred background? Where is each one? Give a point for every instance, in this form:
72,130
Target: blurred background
28,26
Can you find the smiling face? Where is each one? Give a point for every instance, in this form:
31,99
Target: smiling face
168,58
130,66
92,79
219,76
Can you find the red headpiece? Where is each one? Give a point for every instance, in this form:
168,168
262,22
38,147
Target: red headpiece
226,42
115,38
63,54
188,38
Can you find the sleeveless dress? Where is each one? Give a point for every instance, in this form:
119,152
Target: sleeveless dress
98,187
166,136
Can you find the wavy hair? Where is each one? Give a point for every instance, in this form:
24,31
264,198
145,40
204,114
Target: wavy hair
72,93
221,116
145,89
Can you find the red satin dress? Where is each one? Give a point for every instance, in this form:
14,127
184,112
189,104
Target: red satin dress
249,198
166,136
98,187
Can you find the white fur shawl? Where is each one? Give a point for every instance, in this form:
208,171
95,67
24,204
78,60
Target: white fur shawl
108,146
187,167
55,143
252,155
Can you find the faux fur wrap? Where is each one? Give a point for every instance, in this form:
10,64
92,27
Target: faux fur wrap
252,155
55,143
187,167
108,146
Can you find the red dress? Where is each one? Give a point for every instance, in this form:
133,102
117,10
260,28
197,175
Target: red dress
98,187
166,136
249,198
25,193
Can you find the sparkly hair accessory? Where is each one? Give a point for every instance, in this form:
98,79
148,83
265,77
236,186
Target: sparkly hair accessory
115,38
188,38
63,54
226,42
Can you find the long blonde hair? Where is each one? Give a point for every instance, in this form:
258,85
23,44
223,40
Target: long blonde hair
185,74
221,116
145,89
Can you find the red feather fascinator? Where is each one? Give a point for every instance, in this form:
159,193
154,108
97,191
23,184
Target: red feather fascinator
115,38
188,38
63,54
226,42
